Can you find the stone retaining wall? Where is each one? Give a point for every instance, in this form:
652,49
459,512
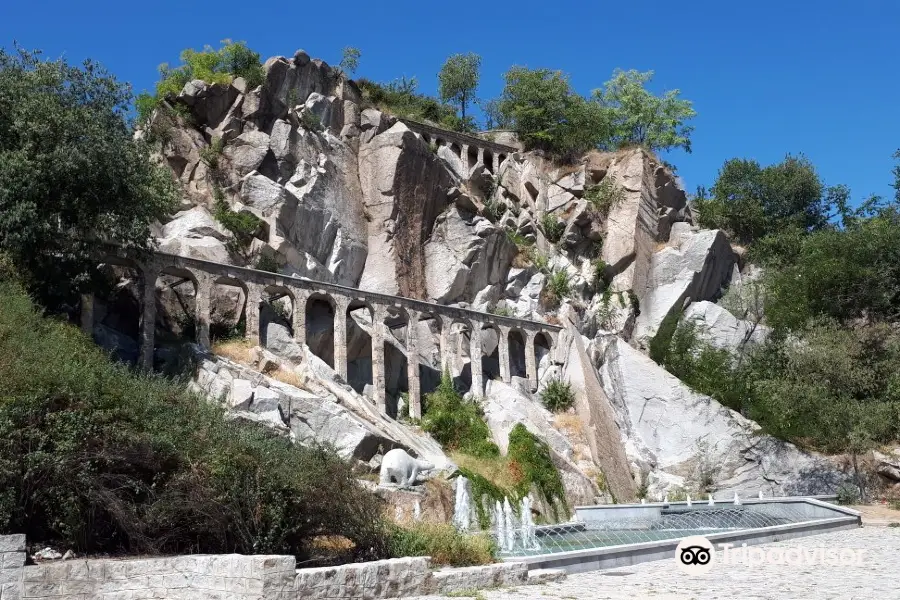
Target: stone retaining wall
237,577
12,562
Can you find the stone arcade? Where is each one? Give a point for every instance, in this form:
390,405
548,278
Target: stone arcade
262,285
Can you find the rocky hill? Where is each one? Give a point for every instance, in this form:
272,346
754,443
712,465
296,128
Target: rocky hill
302,176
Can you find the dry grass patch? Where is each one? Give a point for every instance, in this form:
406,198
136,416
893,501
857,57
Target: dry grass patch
287,376
571,425
496,470
240,351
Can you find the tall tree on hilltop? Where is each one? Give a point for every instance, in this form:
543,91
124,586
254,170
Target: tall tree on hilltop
70,171
639,117
458,80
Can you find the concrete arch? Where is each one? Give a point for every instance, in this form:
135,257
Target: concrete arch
472,157
489,160
456,149
361,326
517,343
430,347
319,317
459,347
491,337
228,303
177,298
278,307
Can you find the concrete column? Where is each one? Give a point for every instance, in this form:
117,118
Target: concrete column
87,314
148,319
251,312
203,299
530,362
465,159
503,354
341,304
412,366
446,352
378,357
480,156
475,352
495,164
299,306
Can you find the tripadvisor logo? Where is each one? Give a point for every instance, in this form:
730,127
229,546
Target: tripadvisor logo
694,555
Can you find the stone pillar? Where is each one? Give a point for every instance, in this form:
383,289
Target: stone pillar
251,312
503,354
465,159
299,307
495,163
412,366
480,156
203,300
341,304
87,314
148,319
475,352
530,362
380,314
446,352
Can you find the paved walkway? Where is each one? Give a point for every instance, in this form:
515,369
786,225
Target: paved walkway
877,577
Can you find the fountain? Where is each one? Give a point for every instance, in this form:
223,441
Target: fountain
666,499
711,501
501,524
689,500
417,511
510,541
462,508
643,501
737,499
760,495
529,539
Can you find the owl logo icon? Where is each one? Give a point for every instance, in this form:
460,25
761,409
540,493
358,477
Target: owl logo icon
694,555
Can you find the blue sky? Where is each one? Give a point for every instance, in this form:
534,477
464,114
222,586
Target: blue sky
766,77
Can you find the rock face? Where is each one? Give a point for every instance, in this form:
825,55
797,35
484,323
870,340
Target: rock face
350,195
676,437
694,269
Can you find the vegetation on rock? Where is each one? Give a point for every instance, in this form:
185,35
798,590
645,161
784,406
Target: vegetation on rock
400,98
458,80
97,458
558,396
455,423
443,543
90,180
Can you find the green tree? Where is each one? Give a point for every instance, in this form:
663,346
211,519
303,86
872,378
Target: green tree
639,117
542,109
458,80
350,60
750,201
71,172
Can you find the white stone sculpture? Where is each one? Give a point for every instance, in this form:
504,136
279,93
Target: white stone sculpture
399,467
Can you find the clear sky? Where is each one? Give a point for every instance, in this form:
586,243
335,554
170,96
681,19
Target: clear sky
766,77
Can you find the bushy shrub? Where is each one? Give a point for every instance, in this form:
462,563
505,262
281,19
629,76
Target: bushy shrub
310,121
443,543
604,195
558,396
552,227
266,262
233,59
531,457
455,423
97,458
400,98
558,285
243,225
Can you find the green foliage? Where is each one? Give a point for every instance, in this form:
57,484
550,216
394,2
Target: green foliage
847,494
401,98
443,543
558,284
604,195
541,107
849,275
533,458
350,60
638,117
540,260
310,121
233,59
558,396
97,458
266,262
210,154
243,225
750,202
458,80
600,273
502,311
70,172
455,423
552,227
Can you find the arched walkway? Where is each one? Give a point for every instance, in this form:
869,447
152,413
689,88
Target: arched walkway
517,364
319,312
276,318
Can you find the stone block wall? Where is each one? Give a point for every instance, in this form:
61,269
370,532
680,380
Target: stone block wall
197,577
237,577
12,563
